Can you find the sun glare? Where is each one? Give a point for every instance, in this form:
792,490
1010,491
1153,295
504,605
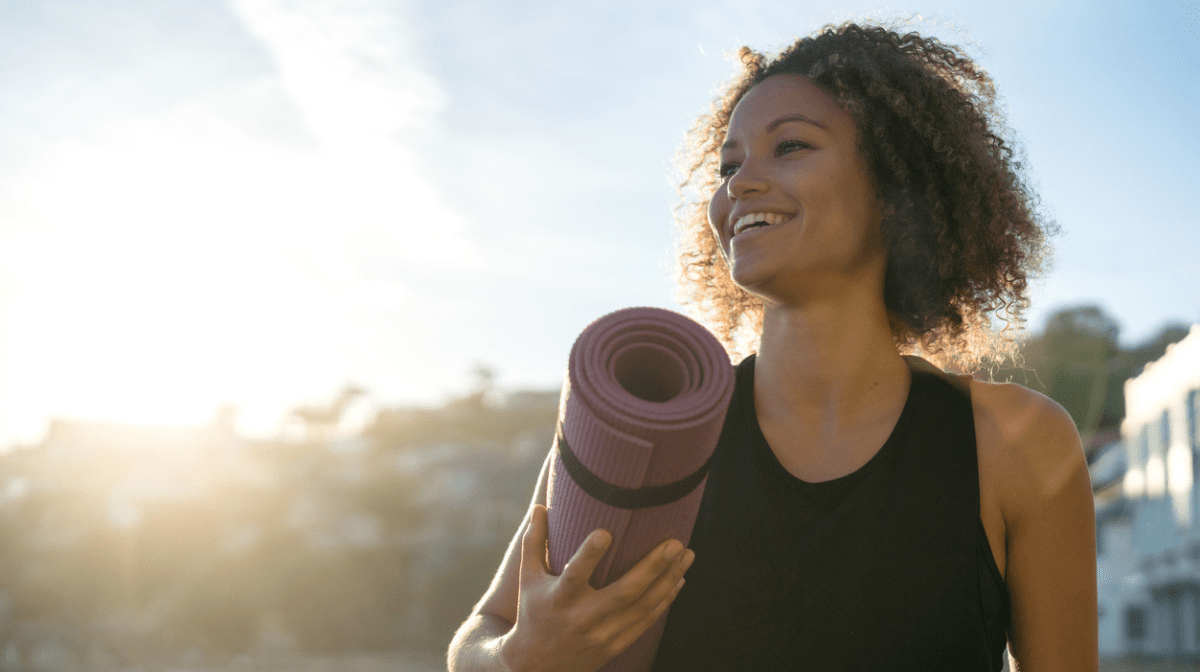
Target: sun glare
170,263
164,275
143,265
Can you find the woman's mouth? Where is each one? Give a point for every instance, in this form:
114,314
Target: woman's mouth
758,219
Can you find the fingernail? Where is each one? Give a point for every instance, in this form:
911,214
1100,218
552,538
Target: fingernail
674,548
687,558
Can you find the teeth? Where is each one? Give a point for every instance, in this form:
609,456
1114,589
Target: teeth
769,218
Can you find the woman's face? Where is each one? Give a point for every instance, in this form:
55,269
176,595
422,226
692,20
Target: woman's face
796,213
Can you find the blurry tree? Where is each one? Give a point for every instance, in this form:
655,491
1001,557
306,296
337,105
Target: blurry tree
263,546
484,377
463,419
318,419
1077,361
1083,353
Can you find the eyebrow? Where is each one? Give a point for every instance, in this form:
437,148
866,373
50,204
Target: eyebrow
794,117
781,121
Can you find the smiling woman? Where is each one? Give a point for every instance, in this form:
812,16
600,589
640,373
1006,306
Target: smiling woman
937,158
822,226
863,510
892,218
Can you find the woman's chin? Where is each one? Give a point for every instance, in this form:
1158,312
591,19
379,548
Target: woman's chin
756,281
746,276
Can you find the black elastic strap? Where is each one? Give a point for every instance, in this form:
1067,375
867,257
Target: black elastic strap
625,498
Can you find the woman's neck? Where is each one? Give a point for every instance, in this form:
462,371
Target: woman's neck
829,366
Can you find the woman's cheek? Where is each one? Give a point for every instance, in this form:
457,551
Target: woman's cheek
718,212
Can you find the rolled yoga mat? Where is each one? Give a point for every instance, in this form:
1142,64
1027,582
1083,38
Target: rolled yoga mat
642,407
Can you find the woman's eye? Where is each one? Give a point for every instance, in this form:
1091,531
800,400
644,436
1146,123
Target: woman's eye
727,169
790,146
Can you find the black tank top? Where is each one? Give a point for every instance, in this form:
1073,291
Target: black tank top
886,568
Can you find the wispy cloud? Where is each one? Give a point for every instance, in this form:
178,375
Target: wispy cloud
351,69
350,66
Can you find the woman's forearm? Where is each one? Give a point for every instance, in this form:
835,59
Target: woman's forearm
476,645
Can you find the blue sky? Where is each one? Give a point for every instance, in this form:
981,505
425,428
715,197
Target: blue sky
256,201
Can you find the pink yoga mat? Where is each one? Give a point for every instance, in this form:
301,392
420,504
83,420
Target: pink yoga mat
642,408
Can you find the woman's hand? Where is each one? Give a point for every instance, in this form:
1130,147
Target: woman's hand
563,623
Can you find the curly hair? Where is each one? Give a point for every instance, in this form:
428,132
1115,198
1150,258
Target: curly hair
963,231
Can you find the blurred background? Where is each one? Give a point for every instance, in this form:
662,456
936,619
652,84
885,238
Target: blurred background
287,288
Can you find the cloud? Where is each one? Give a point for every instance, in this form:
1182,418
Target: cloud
353,71
350,66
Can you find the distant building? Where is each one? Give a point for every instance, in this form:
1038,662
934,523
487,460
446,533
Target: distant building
1149,538
1114,545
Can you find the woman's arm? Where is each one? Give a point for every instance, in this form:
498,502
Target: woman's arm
476,644
530,620
1044,492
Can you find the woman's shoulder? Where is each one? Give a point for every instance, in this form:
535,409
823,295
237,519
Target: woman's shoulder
1027,442
1032,471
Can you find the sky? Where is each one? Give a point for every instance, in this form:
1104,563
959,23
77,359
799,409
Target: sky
256,202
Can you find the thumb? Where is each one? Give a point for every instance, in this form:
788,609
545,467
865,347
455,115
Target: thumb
533,544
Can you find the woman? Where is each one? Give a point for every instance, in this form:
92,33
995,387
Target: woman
863,509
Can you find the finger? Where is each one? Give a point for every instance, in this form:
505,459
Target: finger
634,630
580,567
533,544
630,587
661,591
666,584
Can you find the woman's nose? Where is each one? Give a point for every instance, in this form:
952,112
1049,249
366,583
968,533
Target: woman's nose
746,181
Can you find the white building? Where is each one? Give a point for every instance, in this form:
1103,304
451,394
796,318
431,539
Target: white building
1154,609
1114,547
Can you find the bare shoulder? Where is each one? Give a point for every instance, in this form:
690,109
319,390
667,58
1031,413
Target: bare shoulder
1034,480
1027,443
